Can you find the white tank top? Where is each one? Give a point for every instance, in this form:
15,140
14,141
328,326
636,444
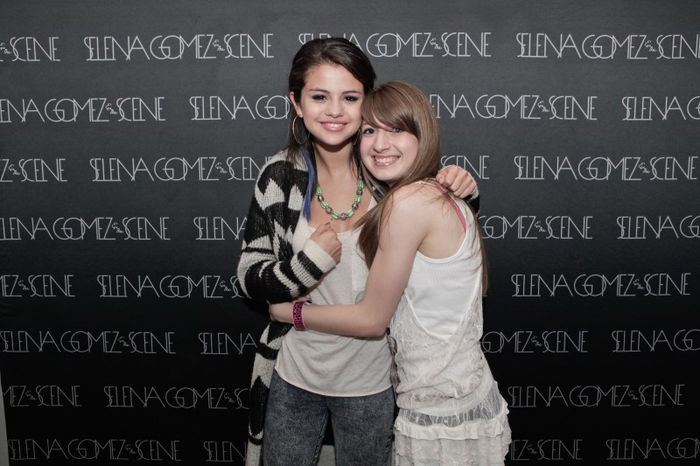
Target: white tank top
436,330
329,364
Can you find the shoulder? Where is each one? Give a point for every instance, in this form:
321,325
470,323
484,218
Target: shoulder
415,204
281,181
281,161
283,158
415,195
280,169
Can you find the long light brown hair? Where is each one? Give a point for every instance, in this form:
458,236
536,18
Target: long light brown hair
397,104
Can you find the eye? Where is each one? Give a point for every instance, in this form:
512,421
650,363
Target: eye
318,97
368,130
352,98
396,130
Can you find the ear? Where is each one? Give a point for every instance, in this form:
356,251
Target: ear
297,106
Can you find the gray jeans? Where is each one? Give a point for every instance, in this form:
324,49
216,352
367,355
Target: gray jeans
295,423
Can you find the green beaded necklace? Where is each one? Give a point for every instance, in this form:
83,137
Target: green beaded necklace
348,213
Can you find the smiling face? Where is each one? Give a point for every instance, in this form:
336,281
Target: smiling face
330,106
400,136
388,153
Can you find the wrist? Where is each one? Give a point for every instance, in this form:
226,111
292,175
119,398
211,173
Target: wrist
318,256
297,315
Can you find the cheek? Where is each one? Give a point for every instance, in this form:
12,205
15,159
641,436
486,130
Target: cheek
355,118
364,155
365,145
411,147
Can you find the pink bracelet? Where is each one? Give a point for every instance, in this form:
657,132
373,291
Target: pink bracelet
297,318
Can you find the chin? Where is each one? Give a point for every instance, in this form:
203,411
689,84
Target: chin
385,178
336,142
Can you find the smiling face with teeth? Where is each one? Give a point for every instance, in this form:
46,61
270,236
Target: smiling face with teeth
330,105
388,153
400,141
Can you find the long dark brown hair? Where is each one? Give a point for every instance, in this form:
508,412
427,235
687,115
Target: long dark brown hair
401,105
329,51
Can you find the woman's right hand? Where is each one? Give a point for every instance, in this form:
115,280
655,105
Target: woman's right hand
327,238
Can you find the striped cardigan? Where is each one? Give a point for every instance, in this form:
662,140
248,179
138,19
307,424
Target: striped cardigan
268,270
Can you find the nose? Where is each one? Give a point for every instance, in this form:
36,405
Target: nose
334,108
381,141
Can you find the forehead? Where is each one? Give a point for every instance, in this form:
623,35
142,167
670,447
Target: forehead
332,76
382,121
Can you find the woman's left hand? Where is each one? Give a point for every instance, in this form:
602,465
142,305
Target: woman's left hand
458,180
281,312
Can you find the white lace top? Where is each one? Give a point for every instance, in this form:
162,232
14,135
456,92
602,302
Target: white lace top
445,388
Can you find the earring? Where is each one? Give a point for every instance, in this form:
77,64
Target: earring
294,134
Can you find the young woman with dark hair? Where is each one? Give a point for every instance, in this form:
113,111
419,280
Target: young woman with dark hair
300,241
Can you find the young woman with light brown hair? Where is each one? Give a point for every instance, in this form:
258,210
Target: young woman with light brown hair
426,282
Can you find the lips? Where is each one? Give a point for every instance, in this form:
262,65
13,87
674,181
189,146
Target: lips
385,160
333,125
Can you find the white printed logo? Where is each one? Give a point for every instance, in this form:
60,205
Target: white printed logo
177,47
476,166
126,396
79,228
42,396
595,396
91,110
417,44
224,344
523,107
32,170
82,341
77,449
652,449
646,108
215,108
36,286
224,451
531,227
535,285
530,342
637,341
168,286
114,169
29,49
607,46
644,227
218,228
545,450
605,168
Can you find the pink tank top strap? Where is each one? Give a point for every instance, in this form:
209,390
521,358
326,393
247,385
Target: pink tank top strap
460,214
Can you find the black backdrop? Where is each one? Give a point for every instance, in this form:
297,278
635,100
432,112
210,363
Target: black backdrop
131,133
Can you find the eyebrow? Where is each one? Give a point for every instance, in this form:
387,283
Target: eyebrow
328,92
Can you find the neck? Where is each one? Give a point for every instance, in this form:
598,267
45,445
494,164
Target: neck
334,162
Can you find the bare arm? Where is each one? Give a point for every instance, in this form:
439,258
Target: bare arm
400,238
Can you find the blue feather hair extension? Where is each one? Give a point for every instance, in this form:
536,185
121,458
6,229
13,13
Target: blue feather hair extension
310,185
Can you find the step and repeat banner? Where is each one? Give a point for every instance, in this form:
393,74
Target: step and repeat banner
131,133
